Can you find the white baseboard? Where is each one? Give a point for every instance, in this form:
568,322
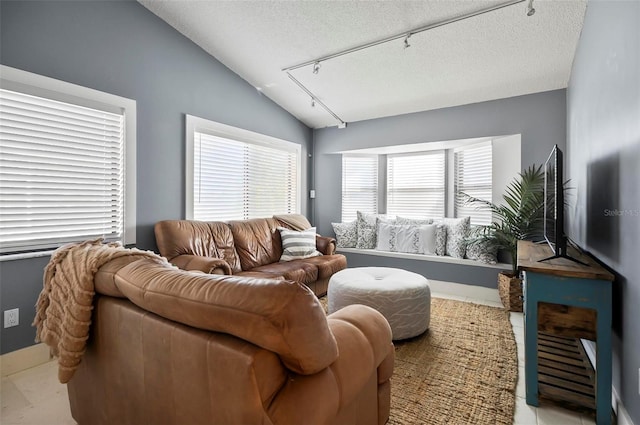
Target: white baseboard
616,402
26,358
462,290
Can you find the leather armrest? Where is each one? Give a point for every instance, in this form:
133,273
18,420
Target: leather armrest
364,342
204,264
325,245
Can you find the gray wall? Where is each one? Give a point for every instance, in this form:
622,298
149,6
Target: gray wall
121,48
603,144
540,119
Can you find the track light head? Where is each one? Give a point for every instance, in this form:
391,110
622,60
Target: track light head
406,41
316,67
530,10
313,103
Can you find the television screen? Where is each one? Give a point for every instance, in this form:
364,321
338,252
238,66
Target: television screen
553,217
554,206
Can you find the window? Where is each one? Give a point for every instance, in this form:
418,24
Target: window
416,184
427,183
235,174
473,176
63,164
359,185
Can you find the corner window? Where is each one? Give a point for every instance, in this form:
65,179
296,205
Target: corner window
359,185
420,184
473,176
235,174
64,156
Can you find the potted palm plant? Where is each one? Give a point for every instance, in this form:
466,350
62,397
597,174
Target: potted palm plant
519,217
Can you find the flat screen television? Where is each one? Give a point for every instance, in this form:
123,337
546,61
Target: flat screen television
554,206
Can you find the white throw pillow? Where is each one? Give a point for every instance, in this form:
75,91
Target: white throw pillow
407,239
427,237
297,245
383,237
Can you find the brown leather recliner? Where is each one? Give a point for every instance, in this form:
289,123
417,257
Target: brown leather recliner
244,247
169,346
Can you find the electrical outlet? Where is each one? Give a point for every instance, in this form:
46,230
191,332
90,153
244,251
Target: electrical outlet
11,317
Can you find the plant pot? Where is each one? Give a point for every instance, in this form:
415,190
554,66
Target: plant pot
510,291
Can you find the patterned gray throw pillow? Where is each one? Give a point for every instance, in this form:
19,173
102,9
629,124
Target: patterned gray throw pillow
413,221
441,239
482,251
366,225
457,232
346,234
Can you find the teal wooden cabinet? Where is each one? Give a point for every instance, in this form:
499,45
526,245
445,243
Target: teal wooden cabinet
571,300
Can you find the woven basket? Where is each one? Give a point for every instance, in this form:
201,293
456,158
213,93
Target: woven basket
510,290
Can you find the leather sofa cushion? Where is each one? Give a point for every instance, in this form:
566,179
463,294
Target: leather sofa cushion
257,242
327,265
104,279
260,275
280,316
297,270
206,239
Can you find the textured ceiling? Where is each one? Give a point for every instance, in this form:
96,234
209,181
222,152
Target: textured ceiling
499,54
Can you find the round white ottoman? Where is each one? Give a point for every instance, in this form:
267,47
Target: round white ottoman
403,298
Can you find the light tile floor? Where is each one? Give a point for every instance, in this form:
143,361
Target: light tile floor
35,397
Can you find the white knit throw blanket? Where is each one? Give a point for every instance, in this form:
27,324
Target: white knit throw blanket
63,310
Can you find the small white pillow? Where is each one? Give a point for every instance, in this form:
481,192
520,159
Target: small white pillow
427,237
407,239
396,238
297,245
383,236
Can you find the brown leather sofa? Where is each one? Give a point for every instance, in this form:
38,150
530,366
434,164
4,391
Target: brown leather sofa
169,346
244,248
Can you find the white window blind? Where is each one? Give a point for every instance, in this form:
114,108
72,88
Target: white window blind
61,173
473,176
359,185
416,184
235,180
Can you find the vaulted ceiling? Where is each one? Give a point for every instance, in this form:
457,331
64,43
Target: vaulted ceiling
498,54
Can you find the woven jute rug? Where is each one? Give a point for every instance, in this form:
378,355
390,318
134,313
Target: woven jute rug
463,370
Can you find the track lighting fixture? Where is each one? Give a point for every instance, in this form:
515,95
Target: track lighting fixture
404,36
313,103
530,10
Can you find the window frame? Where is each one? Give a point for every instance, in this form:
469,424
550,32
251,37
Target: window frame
449,170
38,85
456,183
376,190
195,124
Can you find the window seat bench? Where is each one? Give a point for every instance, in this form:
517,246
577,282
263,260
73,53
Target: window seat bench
444,268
